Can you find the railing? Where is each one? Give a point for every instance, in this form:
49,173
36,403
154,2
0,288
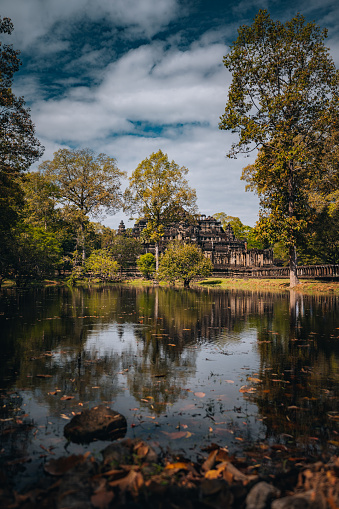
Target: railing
303,271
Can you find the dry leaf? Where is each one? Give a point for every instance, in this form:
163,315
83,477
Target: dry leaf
61,465
176,434
102,499
63,416
247,389
64,398
177,466
199,394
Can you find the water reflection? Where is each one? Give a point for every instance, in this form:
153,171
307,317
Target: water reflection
229,367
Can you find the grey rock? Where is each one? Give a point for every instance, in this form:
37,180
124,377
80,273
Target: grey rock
291,502
261,495
98,423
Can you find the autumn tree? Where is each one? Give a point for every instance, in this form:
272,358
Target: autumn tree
88,184
183,262
283,100
158,192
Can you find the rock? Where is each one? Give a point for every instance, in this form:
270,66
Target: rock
291,502
98,423
261,495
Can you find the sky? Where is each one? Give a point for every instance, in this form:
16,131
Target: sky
130,77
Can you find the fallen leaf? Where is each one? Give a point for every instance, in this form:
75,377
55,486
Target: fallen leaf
102,499
247,389
61,465
229,381
177,466
63,416
199,394
175,434
64,398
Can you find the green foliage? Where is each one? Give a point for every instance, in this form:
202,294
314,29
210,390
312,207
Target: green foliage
37,254
146,265
240,230
183,262
100,265
284,100
18,146
86,183
125,249
18,149
158,192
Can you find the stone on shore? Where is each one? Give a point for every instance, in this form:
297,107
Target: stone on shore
97,423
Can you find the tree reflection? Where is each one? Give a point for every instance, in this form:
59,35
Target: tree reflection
299,356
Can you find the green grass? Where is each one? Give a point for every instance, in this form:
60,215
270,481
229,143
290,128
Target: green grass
305,286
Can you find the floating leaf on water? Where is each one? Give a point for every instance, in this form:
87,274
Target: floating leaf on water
199,394
229,381
65,398
176,434
255,380
63,416
44,376
247,389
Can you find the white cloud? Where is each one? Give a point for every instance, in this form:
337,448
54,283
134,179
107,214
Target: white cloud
35,19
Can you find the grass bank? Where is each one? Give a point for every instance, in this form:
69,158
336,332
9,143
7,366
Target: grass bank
309,286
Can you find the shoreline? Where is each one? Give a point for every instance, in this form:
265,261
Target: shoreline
306,286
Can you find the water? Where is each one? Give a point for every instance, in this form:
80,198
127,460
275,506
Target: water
246,370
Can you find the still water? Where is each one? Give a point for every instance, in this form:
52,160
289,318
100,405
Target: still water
185,367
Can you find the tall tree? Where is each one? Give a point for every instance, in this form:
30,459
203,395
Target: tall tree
87,184
18,146
158,192
284,100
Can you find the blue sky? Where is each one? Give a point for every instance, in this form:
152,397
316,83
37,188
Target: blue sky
129,77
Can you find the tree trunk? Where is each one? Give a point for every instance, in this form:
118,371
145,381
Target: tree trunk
186,283
156,256
83,243
294,281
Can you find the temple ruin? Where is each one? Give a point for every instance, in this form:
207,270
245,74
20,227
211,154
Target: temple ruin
219,245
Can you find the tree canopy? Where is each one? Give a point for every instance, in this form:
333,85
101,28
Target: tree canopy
283,100
87,183
158,192
183,262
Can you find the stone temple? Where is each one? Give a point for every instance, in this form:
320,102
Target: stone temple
224,250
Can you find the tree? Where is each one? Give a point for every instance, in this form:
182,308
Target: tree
146,264
183,262
158,192
18,147
240,230
100,264
125,249
283,99
87,184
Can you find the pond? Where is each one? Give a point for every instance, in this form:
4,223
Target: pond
251,371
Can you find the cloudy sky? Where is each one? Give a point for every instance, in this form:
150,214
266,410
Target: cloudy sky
127,77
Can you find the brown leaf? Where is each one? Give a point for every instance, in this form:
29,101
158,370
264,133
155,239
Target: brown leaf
44,376
132,481
247,389
61,465
177,466
64,398
176,434
210,462
212,474
102,499
199,394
